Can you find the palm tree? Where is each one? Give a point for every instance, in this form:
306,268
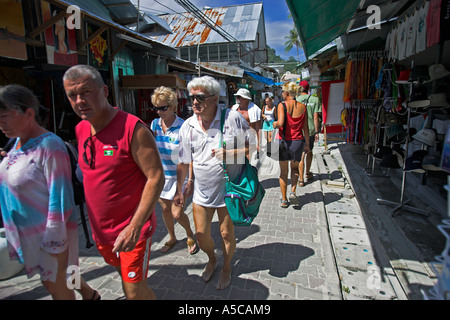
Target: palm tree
292,39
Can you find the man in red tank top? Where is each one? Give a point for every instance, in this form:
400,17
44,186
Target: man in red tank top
122,176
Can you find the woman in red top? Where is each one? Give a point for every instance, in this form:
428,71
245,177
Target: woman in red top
296,137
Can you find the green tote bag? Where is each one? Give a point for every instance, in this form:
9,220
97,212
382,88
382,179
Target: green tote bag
244,195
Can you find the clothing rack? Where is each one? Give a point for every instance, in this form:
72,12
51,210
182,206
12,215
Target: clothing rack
355,118
402,204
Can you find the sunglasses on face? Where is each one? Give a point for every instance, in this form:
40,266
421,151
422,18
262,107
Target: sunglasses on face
164,108
199,97
86,146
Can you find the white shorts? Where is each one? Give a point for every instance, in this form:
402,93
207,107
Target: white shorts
170,187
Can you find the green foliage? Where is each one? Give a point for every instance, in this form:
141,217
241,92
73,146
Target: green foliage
289,65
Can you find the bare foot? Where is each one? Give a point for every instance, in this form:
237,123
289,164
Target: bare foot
224,281
208,271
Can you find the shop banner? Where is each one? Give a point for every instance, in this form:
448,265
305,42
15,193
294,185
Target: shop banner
12,30
98,49
60,41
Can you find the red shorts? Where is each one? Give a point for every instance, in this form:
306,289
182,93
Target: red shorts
133,264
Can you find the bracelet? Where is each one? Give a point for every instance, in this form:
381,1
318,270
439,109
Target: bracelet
317,132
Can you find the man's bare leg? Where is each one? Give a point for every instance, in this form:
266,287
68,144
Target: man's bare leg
228,246
202,220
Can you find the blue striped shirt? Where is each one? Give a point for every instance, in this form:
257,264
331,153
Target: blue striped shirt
168,145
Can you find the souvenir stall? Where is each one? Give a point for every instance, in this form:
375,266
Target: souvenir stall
395,97
411,111
364,95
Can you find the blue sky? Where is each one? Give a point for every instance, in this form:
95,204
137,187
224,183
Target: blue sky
276,17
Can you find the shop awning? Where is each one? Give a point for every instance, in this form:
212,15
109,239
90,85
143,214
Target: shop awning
223,69
262,79
321,21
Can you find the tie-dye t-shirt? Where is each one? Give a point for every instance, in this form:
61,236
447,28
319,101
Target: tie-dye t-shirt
36,199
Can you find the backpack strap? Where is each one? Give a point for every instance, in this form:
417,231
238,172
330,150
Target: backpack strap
222,122
221,145
285,118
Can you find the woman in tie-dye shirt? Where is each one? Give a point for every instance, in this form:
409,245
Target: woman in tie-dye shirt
36,195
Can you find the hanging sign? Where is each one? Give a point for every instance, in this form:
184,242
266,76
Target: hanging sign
60,41
98,48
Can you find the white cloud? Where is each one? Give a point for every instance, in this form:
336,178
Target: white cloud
277,31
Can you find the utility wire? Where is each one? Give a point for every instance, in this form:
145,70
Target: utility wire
205,19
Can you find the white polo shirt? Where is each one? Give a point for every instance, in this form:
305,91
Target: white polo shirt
197,145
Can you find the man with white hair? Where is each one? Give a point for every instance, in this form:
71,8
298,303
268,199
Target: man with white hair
250,111
199,142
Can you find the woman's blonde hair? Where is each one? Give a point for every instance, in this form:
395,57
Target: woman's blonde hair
292,88
166,95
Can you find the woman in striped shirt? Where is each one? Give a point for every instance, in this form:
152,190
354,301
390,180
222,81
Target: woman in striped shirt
166,129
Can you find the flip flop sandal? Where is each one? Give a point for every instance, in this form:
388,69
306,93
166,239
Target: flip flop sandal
284,204
192,244
301,183
167,246
293,198
96,296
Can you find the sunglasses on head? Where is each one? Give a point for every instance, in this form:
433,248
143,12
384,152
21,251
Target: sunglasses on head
164,108
199,97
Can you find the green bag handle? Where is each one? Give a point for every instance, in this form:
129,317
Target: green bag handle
222,143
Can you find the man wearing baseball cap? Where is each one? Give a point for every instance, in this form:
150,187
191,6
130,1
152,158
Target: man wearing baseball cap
250,111
313,108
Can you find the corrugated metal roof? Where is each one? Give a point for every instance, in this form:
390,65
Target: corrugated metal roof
122,11
95,9
240,21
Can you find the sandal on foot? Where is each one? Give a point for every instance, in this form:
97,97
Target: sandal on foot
309,176
193,246
293,198
284,204
96,296
301,183
167,246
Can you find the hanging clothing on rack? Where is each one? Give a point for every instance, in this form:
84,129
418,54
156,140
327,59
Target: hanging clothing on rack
361,75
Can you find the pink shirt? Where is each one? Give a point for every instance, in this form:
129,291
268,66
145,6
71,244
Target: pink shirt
433,22
114,183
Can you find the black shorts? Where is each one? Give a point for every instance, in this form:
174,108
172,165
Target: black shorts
293,150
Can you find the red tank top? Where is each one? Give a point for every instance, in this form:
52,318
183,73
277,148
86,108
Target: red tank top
113,184
294,128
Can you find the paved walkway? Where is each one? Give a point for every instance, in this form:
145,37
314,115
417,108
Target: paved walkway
320,249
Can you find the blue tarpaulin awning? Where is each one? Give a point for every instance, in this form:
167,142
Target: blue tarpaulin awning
262,79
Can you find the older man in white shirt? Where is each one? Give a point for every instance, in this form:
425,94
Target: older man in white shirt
199,142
